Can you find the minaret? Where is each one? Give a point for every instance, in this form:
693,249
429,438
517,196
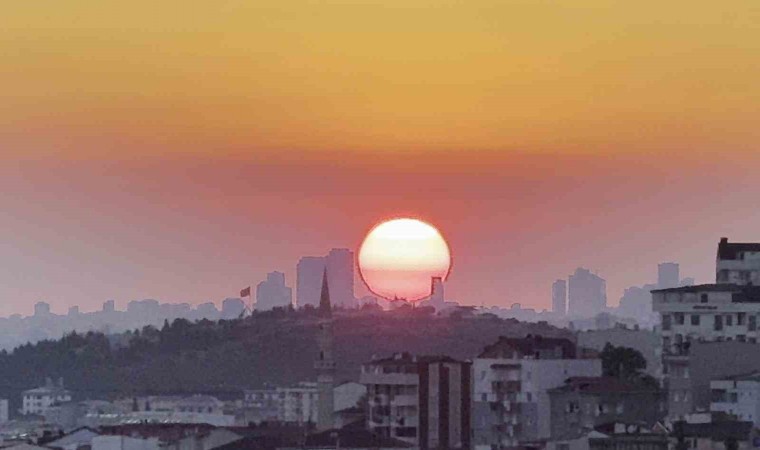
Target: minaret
324,364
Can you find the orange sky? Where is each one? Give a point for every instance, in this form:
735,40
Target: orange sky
176,150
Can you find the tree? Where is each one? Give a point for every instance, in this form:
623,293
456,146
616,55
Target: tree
622,362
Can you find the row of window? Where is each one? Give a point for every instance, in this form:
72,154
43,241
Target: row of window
742,319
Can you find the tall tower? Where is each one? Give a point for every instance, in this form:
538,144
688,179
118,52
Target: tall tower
324,364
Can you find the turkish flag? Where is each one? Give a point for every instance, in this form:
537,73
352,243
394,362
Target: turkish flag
246,292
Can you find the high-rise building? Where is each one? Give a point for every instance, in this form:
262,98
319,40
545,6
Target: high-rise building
309,273
340,272
559,297
272,292
109,306
587,294
424,401
324,364
668,275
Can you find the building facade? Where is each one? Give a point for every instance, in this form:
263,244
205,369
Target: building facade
737,396
584,403
511,382
702,313
424,401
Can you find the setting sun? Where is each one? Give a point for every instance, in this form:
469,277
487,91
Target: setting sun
398,258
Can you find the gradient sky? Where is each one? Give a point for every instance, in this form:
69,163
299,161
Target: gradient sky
180,151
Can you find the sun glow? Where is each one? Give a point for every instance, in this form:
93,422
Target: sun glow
399,257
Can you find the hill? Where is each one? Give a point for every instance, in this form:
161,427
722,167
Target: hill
226,356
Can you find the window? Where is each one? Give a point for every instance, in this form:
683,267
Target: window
741,338
679,318
729,320
484,397
733,397
703,298
741,319
695,319
752,326
718,324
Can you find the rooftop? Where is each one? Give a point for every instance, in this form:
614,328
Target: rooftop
408,358
739,293
600,385
749,376
528,346
731,250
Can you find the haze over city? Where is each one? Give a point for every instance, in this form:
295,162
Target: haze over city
176,152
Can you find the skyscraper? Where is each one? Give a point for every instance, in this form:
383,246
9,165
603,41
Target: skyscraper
272,292
340,272
340,275
325,365
668,275
587,293
309,272
559,297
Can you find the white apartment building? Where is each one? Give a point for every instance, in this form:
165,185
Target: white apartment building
422,400
295,404
707,313
725,311
298,404
511,382
738,396
39,400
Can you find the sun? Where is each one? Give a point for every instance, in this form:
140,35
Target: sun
399,257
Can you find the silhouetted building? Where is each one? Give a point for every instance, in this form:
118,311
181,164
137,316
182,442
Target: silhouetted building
559,297
340,273
41,309
309,273
73,311
668,275
738,263
587,293
425,401
273,293
232,308
109,306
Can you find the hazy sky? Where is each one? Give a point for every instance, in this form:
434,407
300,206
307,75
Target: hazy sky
180,150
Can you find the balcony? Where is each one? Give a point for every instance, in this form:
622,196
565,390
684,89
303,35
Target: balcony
507,387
